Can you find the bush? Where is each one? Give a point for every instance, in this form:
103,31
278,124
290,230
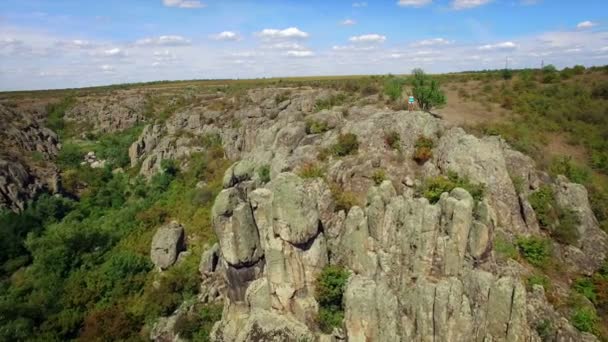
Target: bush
329,103
311,170
264,173
197,326
316,127
346,144
538,280
423,149
392,139
433,187
535,250
565,166
584,319
56,112
600,91
344,200
379,176
545,330
550,74
505,248
393,88
586,287
561,223
426,91
329,292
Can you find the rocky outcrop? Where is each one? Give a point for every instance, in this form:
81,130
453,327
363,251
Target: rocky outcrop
108,113
167,243
27,148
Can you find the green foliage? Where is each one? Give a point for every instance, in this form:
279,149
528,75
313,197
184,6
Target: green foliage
329,292
426,90
264,173
114,147
505,248
80,269
197,326
393,88
70,156
560,222
392,139
433,187
311,170
565,166
545,330
329,103
506,74
584,319
379,176
550,74
316,127
210,140
535,250
423,149
344,200
347,144
56,112
537,279
600,91
586,287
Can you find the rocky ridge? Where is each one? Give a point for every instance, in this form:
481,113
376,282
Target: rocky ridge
420,271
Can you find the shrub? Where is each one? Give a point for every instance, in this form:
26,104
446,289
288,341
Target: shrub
423,149
344,200
535,250
545,330
538,280
565,166
600,91
310,170
504,247
506,74
329,103
264,173
586,287
392,139
210,140
433,187
56,112
329,292
316,127
550,74
379,176
346,144
426,91
197,326
561,223
584,319
393,88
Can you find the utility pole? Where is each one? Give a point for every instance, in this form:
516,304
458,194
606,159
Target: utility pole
507,62
542,63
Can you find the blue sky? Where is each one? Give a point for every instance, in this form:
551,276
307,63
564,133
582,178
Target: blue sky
74,43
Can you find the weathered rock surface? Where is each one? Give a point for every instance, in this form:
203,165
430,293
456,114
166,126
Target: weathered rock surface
167,243
26,149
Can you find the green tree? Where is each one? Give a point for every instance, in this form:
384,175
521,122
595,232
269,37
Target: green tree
426,90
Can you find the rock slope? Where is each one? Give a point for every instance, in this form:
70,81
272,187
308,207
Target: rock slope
419,271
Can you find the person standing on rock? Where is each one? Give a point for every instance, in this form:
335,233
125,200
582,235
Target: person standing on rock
410,103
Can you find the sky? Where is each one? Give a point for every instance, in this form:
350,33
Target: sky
46,44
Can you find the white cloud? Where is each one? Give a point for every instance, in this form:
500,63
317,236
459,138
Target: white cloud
296,53
368,38
353,48
183,3
111,52
414,3
498,46
433,42
226,36
585,25
285,46
288,33
106,68
170,40
464,4
348,22
360,4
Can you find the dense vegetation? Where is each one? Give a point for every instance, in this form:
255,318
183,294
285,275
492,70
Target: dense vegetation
77,267
329,292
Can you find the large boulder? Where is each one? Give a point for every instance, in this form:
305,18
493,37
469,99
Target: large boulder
167,243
